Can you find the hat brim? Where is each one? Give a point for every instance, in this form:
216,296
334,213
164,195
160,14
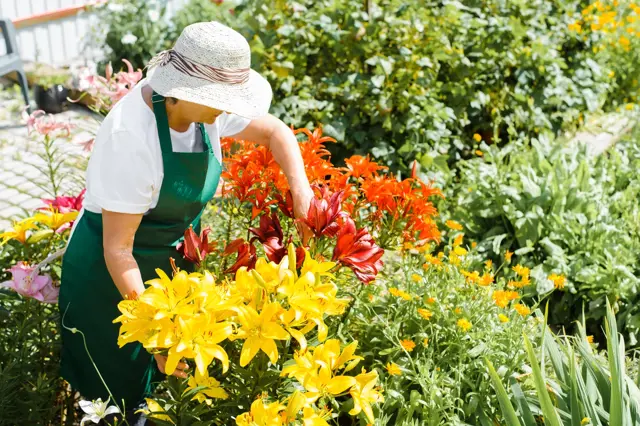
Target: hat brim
250,99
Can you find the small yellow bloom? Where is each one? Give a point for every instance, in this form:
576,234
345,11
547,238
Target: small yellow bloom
459,251
458,310
502,297
477,137
503,318
425,313
464,324
522,309
590,339
523,271
452,224
408,345
393,369
507,255
624,42
558,281
454,259
479,153
474,244
458,240
425,341
399,293
371,298
629,107
416,278
585,421
488,264
486,280
54,219
433,260
431,300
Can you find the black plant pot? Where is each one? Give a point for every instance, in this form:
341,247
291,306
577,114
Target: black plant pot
52,100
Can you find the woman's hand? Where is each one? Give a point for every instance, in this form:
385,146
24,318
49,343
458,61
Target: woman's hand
161,360
301,202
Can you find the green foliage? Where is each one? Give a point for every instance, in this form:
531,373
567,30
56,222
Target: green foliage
405,80
130,29
565,210
201,11
586,388
443,379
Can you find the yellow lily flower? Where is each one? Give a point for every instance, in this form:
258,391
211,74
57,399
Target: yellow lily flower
260,331
364,394
139,325
314,418
170,297
154,411
54,219
323,384
315,267
199,338
19,231
262,414
211,389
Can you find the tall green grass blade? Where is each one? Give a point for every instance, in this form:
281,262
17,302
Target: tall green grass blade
576,412
522,404
616,368
509,413
551,417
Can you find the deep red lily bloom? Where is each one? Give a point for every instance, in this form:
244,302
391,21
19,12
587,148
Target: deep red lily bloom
270,235
195,248
285,203
323,214
246,255
357,250
65,204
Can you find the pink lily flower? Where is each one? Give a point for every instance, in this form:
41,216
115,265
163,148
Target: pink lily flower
27,282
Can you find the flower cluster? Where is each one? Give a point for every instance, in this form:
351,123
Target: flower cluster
358,209
265,309
108,90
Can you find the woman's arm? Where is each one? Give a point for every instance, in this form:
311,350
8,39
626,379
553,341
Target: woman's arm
119,230
275,135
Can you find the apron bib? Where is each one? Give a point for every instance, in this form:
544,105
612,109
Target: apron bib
88,296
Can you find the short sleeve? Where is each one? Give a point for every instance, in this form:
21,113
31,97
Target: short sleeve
231,124
121,174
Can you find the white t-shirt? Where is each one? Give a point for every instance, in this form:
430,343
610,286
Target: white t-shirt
125,170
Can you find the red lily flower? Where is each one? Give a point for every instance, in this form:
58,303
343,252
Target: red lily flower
270,235
246,255
357,250
65,204
195,248
285,204
324,212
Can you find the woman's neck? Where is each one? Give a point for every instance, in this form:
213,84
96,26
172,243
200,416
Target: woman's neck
176,121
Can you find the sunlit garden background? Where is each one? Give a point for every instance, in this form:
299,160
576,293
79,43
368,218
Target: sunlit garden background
476,249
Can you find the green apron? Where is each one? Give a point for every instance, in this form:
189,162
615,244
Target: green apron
88,296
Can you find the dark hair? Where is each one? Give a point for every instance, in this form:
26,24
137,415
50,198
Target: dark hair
172,100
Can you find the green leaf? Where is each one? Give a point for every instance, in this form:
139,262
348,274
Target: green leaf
509,413
550,414
615,349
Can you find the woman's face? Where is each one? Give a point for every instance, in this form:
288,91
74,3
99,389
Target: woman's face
198,113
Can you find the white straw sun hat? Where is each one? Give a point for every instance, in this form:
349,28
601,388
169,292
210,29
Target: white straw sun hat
210,65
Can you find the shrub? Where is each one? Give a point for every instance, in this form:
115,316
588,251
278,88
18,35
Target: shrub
565,210
404,81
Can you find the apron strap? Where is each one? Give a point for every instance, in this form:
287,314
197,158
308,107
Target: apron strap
162,122
205,138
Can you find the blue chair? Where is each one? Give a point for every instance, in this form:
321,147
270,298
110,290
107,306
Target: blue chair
11,62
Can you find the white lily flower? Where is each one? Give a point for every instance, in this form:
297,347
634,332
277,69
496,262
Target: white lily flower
96,410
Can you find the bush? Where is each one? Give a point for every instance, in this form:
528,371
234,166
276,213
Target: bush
406,80
134,30
565,210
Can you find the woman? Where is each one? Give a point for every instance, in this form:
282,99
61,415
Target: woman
155,165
